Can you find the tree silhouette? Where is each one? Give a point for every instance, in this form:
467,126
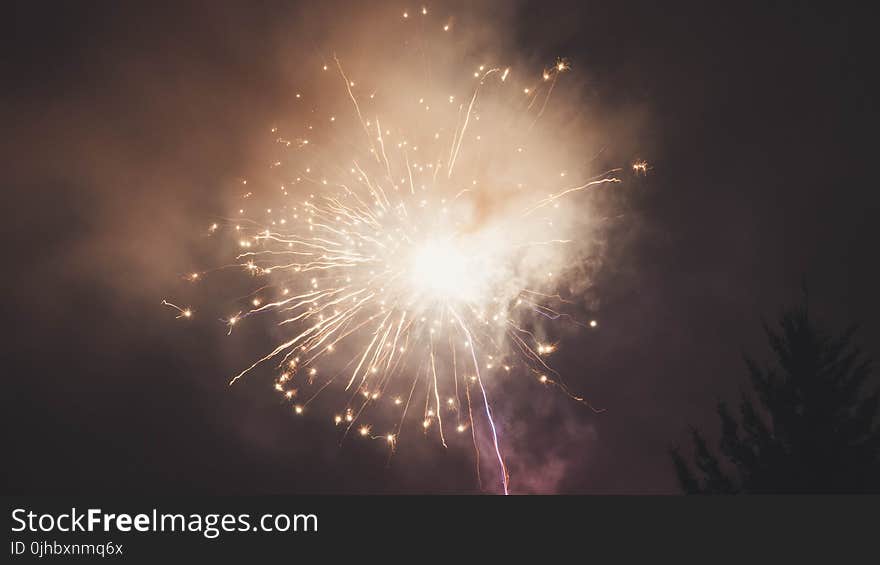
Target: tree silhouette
813,429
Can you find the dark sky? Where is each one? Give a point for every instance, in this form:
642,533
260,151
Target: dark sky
121,120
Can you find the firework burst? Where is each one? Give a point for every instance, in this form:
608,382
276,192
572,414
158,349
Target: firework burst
411,253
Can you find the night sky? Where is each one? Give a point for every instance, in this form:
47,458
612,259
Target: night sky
122,124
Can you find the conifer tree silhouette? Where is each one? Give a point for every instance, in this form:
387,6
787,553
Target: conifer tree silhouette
812,430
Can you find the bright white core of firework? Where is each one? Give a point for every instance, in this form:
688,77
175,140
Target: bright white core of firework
439,269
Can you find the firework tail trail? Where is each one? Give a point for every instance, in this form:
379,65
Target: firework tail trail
437,394
464,126
356,105
553,197
467,391
546,100
504,477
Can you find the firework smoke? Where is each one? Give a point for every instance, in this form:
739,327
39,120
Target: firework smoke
412,239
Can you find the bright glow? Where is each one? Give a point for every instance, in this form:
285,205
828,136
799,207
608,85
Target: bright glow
439,269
